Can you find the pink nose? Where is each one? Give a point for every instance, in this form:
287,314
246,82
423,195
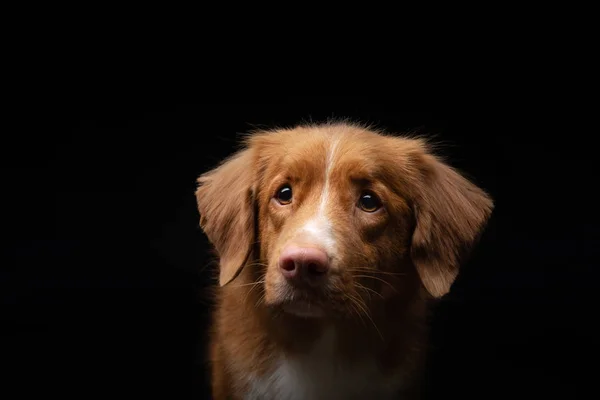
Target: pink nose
303,264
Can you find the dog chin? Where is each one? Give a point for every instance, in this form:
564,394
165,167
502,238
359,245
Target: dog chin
303,309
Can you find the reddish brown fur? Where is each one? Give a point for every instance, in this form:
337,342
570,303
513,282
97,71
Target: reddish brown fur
431,217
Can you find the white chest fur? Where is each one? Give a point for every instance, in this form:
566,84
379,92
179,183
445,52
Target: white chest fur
320,375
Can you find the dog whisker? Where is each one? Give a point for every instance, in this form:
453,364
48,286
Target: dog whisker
374,271
254,285
359,286
250,284
365,312
260,300
378,279
257,264
356,310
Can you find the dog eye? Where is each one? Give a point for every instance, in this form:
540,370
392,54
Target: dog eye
369,202
284,194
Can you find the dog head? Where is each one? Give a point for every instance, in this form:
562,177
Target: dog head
330,214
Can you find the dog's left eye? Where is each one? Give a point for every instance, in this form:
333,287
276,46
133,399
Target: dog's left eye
284,194
369,202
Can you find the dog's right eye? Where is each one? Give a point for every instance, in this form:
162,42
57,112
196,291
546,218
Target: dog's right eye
284,195
369,202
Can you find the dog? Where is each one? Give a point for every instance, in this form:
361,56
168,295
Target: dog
333,240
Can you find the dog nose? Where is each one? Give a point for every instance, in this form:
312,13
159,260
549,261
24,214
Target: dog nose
303,263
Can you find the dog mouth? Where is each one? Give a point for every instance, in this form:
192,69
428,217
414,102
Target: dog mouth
303,303
303,309
306,302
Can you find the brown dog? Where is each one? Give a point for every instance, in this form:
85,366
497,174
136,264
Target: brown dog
332,239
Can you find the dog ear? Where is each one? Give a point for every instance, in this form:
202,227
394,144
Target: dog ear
225,199
450,212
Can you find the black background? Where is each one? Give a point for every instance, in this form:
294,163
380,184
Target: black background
104,268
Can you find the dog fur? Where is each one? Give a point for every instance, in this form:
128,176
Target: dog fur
366,333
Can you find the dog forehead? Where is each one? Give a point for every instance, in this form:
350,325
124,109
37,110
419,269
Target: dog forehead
319,149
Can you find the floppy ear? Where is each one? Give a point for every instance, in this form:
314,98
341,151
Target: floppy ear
226,204
450,213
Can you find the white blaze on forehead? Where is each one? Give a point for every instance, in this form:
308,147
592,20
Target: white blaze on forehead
328,168
319,227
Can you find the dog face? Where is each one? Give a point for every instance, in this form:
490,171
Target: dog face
329,216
